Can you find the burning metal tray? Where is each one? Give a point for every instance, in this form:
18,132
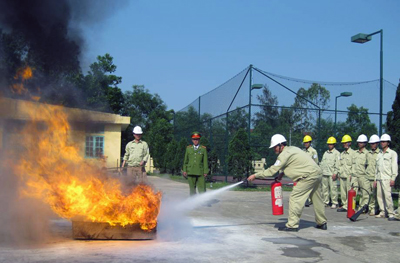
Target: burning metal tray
104,231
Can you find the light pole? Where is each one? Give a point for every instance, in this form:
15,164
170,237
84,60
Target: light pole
253,86
362,38
343,94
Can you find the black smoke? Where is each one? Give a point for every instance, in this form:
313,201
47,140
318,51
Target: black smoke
47,36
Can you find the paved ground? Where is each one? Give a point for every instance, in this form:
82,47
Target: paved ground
229,227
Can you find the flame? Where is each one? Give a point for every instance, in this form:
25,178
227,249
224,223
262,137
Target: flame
53,169
23,74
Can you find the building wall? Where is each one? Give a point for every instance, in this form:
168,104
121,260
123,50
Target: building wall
112,143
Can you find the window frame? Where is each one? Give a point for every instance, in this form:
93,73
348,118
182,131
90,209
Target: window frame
94,146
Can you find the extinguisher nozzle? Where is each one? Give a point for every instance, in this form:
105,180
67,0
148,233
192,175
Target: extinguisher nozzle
359,212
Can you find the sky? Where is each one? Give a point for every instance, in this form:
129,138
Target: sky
183,49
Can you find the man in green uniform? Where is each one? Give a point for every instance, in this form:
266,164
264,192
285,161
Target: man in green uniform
298,166
359,175
386,173
136,156
372,155
312,153
330,167
345,170
195,165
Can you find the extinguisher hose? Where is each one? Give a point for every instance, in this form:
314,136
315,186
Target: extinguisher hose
364,208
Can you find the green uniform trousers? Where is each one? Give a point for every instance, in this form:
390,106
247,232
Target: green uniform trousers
306,187
329,190
198,181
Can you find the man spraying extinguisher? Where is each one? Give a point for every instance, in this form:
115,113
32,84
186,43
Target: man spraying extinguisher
298,166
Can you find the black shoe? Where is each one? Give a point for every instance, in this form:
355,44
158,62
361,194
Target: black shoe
307,203
290,229
393,219
324,226
341,210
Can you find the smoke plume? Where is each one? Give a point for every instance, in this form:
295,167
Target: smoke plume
48,36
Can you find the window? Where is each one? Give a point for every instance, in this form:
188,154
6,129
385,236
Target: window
94,146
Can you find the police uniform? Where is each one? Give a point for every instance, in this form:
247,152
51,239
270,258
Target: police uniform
298,166
345,171
370,177
330,166
386,170
195,165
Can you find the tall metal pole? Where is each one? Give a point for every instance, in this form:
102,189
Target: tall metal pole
381,85
250,76
334,127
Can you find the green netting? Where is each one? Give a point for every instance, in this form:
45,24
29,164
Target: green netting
219,113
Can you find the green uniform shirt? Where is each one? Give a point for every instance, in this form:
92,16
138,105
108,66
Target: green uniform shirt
360,163
135,152
195,162
386,165
346,163
371,168
312,153
295,163
330,162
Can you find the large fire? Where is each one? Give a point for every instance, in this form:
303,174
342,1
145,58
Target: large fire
22,76
53,169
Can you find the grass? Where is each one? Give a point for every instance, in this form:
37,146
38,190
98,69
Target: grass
251,188
218,185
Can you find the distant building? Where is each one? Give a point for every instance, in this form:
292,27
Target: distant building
97,134
259,165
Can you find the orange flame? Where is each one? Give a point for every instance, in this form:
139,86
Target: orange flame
54,170
22,75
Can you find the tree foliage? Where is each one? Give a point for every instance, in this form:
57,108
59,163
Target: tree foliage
100,86
358,122
393,127
304,118
239,155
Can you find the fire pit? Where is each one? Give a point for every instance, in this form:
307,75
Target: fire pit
104,231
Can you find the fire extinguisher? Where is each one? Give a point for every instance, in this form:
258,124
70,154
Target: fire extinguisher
351,202
277,198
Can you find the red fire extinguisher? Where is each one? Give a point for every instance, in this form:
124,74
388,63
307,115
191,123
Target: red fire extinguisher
277,198
351,203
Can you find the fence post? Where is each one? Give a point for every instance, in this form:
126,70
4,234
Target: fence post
226,147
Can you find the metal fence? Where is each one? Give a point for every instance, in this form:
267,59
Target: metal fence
264,103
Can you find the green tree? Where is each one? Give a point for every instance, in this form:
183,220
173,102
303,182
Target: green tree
158,137
358,122
100,86
170,157
393,127
239,155
306,114
180,154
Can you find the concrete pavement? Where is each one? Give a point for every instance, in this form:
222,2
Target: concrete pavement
231,227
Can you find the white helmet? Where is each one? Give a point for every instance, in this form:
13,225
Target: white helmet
277,139
362,138
374,139
385,138
137,130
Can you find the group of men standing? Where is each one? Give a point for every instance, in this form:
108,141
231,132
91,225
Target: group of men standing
360,169
370,172
363,170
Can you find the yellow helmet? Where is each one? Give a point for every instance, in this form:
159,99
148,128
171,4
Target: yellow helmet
331,140
346,138
307,138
